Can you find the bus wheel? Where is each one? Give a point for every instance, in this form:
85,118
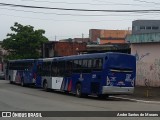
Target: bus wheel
78,90
11,82
103,96
22,83
45,85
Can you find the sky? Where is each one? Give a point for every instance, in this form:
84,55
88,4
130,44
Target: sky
63,24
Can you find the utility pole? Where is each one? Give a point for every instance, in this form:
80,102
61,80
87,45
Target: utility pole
82,37
55,38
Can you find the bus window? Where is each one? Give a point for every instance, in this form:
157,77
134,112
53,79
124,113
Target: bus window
97,64
54,69
39,69
61,70
89,64
75,65
69,68
30,66
80,64
46,68
85,64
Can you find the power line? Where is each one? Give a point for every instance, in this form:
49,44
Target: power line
67,9
45,1
89,15
111,3
60,20
147,2
142,1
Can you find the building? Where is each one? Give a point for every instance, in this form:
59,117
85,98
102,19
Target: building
79,40
108,36
123,48
3,53
145,26
146,48
52,49
94,34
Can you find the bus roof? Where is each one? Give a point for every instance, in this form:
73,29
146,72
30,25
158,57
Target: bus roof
22,60
82,56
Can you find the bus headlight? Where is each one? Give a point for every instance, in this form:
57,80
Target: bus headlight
108,81
132,82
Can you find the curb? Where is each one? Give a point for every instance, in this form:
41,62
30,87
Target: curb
137,100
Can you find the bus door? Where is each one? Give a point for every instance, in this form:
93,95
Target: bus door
38,74
96,80
26,76
27,73
67,83
81,74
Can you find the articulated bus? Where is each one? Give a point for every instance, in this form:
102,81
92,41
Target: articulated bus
21,71
100,74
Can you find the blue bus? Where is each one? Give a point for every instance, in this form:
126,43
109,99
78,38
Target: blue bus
100,74
21,72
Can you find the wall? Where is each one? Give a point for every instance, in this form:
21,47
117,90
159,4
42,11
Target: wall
148,63
114,33
113,36
81,40
111,41
94,34
68,48
108,36
145,23
143,38
3,53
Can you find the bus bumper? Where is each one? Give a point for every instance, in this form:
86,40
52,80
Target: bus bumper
113,90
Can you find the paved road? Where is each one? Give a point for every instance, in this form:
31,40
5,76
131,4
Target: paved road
17,98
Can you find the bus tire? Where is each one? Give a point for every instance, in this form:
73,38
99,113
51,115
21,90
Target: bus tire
45,86
78,90
22,82
102,96
11,82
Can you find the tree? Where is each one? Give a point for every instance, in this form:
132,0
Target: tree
24,42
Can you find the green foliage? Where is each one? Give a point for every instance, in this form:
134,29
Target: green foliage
24,42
